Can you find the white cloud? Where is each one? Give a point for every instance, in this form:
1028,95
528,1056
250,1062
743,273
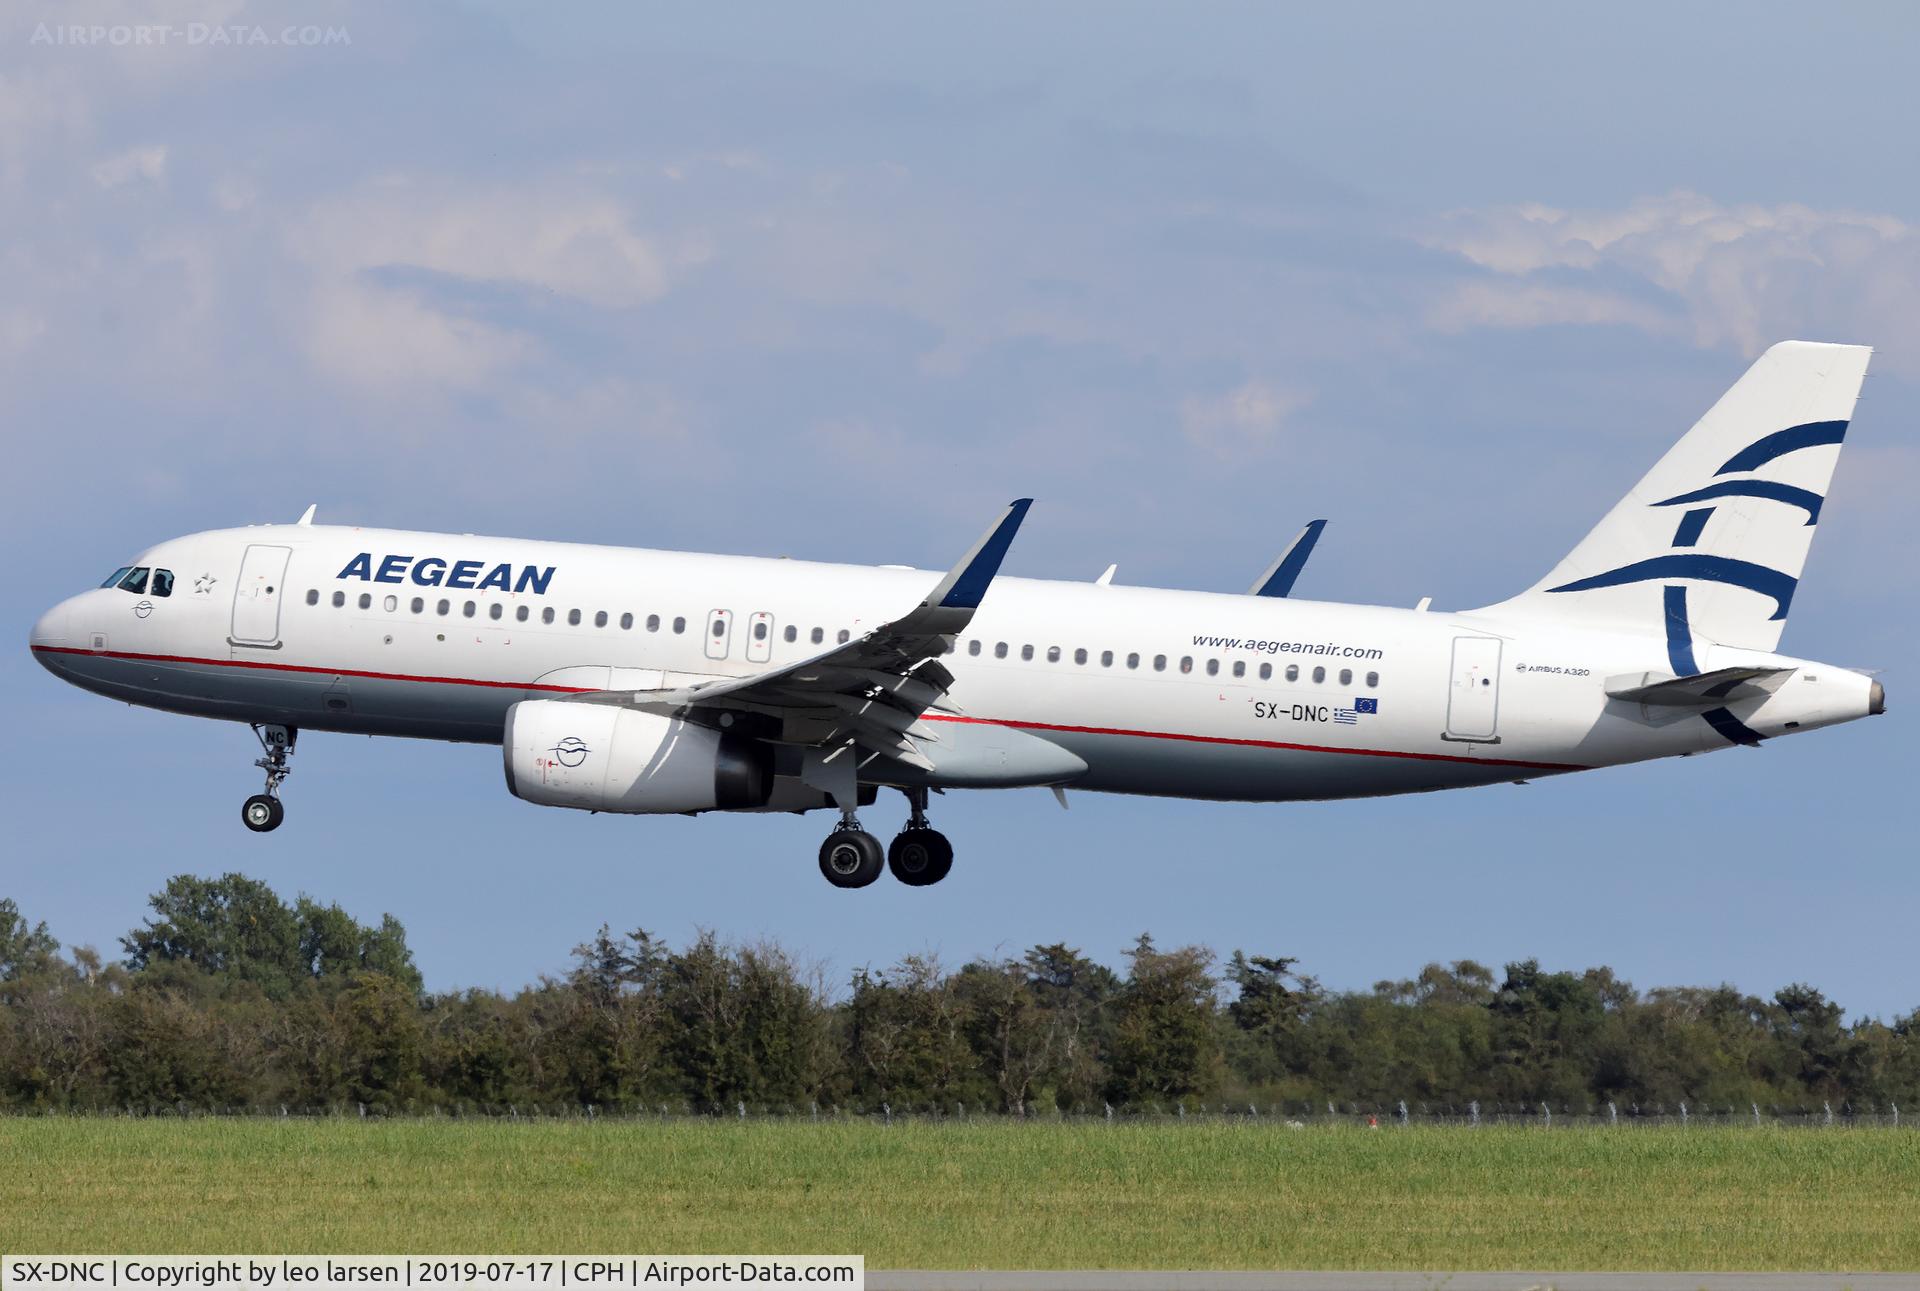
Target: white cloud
148,163
1734,276
1250,416
385,337
578,246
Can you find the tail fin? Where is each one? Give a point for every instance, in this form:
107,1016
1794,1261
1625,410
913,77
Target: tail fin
1712,540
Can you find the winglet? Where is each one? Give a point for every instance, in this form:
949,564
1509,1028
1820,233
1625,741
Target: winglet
306,517
1278,580
966,584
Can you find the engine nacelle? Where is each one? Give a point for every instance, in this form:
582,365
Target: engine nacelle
602,757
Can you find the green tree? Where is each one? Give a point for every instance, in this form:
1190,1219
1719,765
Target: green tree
237,930
26,950
1165,1044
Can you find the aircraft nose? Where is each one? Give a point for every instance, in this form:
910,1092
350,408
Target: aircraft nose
51,629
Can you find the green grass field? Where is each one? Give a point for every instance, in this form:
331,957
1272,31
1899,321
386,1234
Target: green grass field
987,1194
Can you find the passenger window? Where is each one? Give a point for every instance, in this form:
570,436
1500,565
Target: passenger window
339,599
1373,679
817,636
1319,675
1346,676
1239,667
495,610
1133,661
792,634
1053,654
392,603
626,622
162,582
1266,671
466,609
844,636
973,646
573,618
1159,663
313,596
1079,656
1026,654
136,580
1293,672
760,630
679,625
1186,663
1106,658
599,618
366,600
419,605
546,614
521,613
653,622
1000,649
443,606
1213,667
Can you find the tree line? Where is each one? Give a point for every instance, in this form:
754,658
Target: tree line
229,998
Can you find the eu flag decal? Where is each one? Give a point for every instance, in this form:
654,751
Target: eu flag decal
1366,704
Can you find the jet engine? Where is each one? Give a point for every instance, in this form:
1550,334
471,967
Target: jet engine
603,757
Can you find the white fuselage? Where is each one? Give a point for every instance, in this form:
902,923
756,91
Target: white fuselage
1179,693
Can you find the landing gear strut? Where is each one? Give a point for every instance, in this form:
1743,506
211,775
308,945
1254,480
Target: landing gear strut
263,812
920,855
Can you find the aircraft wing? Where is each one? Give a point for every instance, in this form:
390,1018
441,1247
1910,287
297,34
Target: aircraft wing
1721,686
868,692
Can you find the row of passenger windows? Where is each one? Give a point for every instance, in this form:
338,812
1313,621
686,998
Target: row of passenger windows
497,611
762,626
141,580
1238,668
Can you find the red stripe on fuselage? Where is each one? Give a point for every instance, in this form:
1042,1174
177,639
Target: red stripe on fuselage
264,665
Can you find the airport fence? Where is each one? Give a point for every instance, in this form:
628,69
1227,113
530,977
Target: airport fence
1294,1115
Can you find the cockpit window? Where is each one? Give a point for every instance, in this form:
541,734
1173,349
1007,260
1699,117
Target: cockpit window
162,582
113,579
135,581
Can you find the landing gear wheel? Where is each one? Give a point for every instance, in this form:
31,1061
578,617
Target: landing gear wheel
920,857
262,813
851,858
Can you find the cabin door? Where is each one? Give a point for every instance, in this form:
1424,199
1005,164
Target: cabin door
1473,702
257,594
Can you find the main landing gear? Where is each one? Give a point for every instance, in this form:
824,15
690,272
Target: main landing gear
263,811
920,855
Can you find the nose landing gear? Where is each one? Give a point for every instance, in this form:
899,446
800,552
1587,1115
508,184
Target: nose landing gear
263,811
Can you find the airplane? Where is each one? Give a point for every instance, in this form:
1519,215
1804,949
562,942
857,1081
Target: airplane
646,682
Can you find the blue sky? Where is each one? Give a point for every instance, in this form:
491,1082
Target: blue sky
839,285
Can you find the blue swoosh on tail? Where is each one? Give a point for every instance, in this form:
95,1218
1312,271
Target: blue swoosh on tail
1806,499
1706,569
1781,442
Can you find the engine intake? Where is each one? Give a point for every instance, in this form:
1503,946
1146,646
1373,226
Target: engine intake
602,757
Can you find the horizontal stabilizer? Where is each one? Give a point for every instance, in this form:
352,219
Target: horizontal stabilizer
1721,686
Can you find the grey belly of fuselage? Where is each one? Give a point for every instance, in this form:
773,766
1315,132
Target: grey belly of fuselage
1116,763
